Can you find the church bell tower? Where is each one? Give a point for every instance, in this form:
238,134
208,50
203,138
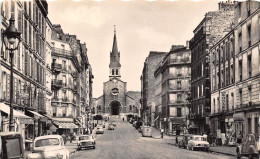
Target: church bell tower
114,66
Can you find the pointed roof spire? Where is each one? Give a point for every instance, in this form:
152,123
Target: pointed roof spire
114,49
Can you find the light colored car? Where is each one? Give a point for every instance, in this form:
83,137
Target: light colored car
197,142
100,130
86,141
49,146
111,127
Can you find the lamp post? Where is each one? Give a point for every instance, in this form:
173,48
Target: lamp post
10,36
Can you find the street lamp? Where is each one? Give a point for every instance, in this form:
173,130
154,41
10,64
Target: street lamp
10,36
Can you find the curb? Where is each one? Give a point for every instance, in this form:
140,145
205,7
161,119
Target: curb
222,153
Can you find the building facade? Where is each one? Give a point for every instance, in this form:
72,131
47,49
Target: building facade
29,65
148,86
222,57
211,29
175,89
247,62
116,100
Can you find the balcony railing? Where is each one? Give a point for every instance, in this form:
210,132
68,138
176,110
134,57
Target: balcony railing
56,67
56,83
62,51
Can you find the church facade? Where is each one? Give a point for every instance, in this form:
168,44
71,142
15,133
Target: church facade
116,100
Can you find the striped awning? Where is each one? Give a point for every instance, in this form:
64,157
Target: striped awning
65,125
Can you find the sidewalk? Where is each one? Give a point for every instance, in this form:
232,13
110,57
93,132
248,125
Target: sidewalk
227,150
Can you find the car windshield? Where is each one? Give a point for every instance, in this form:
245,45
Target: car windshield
84,138
199,139
47,142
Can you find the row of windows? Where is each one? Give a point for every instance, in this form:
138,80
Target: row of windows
23,94
115,72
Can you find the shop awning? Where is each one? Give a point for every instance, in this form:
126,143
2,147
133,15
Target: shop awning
6,109
24,119
177,120
66,125
37,115
239,117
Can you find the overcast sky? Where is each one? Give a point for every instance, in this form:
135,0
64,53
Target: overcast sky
142,26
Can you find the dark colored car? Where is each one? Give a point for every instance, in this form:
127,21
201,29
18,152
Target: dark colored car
182,141
12,145
138,124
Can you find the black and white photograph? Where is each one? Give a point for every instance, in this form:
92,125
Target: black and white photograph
130,79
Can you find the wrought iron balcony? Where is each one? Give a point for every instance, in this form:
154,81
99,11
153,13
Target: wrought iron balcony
56,67
56,84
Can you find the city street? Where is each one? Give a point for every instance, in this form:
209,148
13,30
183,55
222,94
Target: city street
125,142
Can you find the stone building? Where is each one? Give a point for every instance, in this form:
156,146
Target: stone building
69,82
175,78
148,86
247,67
29,74
211,29
116,100
222,65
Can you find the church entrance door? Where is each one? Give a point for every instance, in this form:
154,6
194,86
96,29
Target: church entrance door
115,105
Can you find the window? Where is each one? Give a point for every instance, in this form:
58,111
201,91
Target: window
256,126
249,123
248,7
12,8
232,74
202,69
64,66
64,80
112,71
63,110
249,65
214,105
116,71
178,85
64,95
232,100
227,76
178,112
54,111
179,100
240,97
240,41
202,89
240,70
222,78
227,102
218,104
250,94
198,91
130,107
249,35
239,9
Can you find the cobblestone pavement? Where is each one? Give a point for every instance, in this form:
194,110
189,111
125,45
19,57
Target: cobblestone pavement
126,143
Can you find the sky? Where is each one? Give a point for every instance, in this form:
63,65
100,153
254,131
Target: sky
141,26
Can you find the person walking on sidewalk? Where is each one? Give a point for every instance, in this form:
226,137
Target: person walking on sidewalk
162,131
123,119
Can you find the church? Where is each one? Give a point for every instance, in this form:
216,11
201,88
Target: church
116,100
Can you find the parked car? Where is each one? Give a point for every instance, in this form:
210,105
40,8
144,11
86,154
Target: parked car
114,123
250,147
11,145
49,146
86,141
147,131
111,127
197,142
100,130
138,124
183,140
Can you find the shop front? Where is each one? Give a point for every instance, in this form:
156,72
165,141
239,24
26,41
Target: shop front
239,124
65,126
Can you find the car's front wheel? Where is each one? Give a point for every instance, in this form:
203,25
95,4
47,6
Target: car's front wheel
94,147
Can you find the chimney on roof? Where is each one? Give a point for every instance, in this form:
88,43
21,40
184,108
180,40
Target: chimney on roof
187,44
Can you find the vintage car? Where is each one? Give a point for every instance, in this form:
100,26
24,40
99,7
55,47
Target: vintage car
111,127
86,141
11,145
100,130
198,142
250,147
183,140
49,146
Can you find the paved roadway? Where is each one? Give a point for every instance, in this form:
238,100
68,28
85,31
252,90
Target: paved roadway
126,143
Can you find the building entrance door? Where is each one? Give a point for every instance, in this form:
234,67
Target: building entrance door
115,106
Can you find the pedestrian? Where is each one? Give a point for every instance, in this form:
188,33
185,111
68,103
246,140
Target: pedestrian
162,130
123,119
64,138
